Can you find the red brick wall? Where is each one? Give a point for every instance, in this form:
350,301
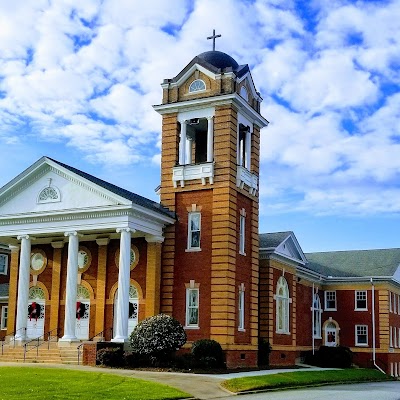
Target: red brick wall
303,315
243,269
193,265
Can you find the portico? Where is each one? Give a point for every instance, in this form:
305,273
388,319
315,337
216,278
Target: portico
72,233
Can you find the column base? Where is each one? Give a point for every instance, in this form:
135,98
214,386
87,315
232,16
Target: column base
67,341
120,340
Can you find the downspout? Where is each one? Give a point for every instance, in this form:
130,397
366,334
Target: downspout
373,329
312,319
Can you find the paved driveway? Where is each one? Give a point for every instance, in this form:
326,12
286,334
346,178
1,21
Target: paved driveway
362,391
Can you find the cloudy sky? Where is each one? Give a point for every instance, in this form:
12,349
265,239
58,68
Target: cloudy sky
78,80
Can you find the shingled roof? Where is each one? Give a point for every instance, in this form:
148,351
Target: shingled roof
135,198
272,240
355,263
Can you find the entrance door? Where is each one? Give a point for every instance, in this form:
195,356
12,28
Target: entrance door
331,334
133,309
36,310
82,313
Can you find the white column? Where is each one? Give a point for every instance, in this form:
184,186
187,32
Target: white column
23,288
248,150
72,282
189,146
182,144
121,325
210,139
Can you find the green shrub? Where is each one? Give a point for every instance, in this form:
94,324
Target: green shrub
330,357
208,353
158,336
264,350
110,357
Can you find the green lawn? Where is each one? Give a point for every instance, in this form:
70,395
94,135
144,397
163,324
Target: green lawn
24,383
303,378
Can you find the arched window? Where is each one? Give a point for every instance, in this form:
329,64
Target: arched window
243,93
317,311
282,306
197,85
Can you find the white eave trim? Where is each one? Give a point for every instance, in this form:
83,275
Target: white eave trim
232,98
186,75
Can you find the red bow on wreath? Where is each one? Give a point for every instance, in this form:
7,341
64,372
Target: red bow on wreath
78,310
33,311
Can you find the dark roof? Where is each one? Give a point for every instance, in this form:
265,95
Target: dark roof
219,59
135,198
273,240
383,262
215,61
3,289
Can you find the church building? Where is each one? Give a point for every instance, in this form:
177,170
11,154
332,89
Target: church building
82,258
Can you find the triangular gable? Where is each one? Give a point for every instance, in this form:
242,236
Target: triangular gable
250,83
291,249
47,185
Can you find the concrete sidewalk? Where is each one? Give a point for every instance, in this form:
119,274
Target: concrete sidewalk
201,386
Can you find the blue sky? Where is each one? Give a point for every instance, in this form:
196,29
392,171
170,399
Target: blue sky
78,81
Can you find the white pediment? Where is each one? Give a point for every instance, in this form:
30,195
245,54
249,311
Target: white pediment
49,187
290,248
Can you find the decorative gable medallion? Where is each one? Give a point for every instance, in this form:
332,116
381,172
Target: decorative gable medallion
49,194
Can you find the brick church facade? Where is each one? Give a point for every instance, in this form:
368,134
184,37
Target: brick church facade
82,257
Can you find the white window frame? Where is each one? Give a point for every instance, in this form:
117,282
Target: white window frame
4,317
395,344
4,257
326,300
394,303
190,307
358,333
241,300
282,299
197,90
317,310
190,246
358,294
398,304
242,234
390,302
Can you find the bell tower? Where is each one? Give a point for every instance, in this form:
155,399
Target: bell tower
211,126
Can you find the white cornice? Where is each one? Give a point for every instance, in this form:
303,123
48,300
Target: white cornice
232,98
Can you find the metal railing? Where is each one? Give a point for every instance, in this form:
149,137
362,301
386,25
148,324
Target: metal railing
10,337
39,341
101,335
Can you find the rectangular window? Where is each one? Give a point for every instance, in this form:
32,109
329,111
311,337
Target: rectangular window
241,309
4,317
242,234
398,304
398,336
394,303
192,307
361,335
3,264
390,302
330,300
394,336
390,336
194,228
361,299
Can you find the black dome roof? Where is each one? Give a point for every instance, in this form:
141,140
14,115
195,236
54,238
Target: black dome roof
219,59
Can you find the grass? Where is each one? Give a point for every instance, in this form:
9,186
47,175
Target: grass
303,378
25,383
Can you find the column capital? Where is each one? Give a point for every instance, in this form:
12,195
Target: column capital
183,121
13,248
103,241
57,245
210,117
154,239
71,233
20,237
126,229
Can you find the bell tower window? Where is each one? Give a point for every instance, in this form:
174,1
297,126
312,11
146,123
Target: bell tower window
197,86
244,146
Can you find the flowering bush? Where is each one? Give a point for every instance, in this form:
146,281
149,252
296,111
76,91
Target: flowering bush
158,336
